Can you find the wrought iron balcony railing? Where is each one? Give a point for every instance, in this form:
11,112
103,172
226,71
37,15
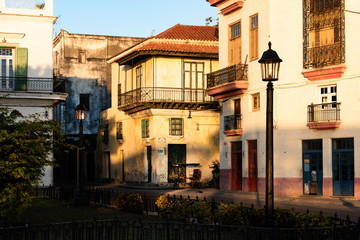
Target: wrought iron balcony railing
163,94
232,122
323,56
325,112
237,72
31,84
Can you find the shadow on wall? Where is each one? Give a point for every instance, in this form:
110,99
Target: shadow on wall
134,164
97,101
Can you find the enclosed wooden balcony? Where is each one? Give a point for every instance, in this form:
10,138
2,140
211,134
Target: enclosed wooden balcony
324,116
232,125
165,98
227,82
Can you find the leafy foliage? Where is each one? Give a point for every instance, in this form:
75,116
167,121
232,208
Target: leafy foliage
130,203
26,147
201,210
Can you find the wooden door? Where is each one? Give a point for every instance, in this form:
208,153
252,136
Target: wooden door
148,155
236,165
252,167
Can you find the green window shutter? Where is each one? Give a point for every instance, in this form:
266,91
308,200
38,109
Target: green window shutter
21,66
143,130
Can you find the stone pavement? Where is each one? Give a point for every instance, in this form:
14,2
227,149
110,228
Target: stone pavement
343,206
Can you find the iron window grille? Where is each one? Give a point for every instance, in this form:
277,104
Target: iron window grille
324,33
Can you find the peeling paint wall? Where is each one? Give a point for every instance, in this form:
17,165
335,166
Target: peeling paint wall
80,59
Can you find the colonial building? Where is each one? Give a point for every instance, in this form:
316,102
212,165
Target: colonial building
316,122
80,59
161,117
26,71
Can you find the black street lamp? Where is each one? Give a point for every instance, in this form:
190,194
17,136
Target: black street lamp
270,65
82,199
80,111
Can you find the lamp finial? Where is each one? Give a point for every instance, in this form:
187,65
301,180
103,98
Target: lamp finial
269,45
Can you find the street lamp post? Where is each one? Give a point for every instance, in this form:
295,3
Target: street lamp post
80,111
270,65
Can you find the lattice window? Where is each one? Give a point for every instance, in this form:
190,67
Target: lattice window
324,33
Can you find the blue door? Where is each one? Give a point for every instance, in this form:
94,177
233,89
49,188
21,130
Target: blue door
343,167
312,167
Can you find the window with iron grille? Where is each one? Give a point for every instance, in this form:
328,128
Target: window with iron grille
176,126
324,33
119,131
145,128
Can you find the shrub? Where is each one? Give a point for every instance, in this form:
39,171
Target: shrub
232,214
164,206
181,210
256,216
134,203
202,212
121,201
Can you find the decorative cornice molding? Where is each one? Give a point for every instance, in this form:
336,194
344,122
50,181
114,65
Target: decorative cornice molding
232,8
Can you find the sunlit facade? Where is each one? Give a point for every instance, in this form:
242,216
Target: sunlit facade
316,122
161,120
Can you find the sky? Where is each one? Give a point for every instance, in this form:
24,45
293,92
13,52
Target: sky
130,18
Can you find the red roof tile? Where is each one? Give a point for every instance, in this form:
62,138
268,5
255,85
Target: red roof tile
180,32
174,47
191,32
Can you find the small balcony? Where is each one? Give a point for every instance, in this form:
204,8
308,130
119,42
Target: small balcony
31,85
232,125
324,116
227,82
165,98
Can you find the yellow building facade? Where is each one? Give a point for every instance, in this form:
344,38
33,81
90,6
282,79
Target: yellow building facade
162,125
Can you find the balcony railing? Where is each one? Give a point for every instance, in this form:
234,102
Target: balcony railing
237,72
324,113
232,122
162,94
324,56
31,84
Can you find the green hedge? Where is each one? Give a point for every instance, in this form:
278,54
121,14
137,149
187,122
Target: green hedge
186,210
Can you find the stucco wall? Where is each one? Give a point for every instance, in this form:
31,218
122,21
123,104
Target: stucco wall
201,132
281,22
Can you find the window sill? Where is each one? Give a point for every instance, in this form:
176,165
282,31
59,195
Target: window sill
325,73
176,137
